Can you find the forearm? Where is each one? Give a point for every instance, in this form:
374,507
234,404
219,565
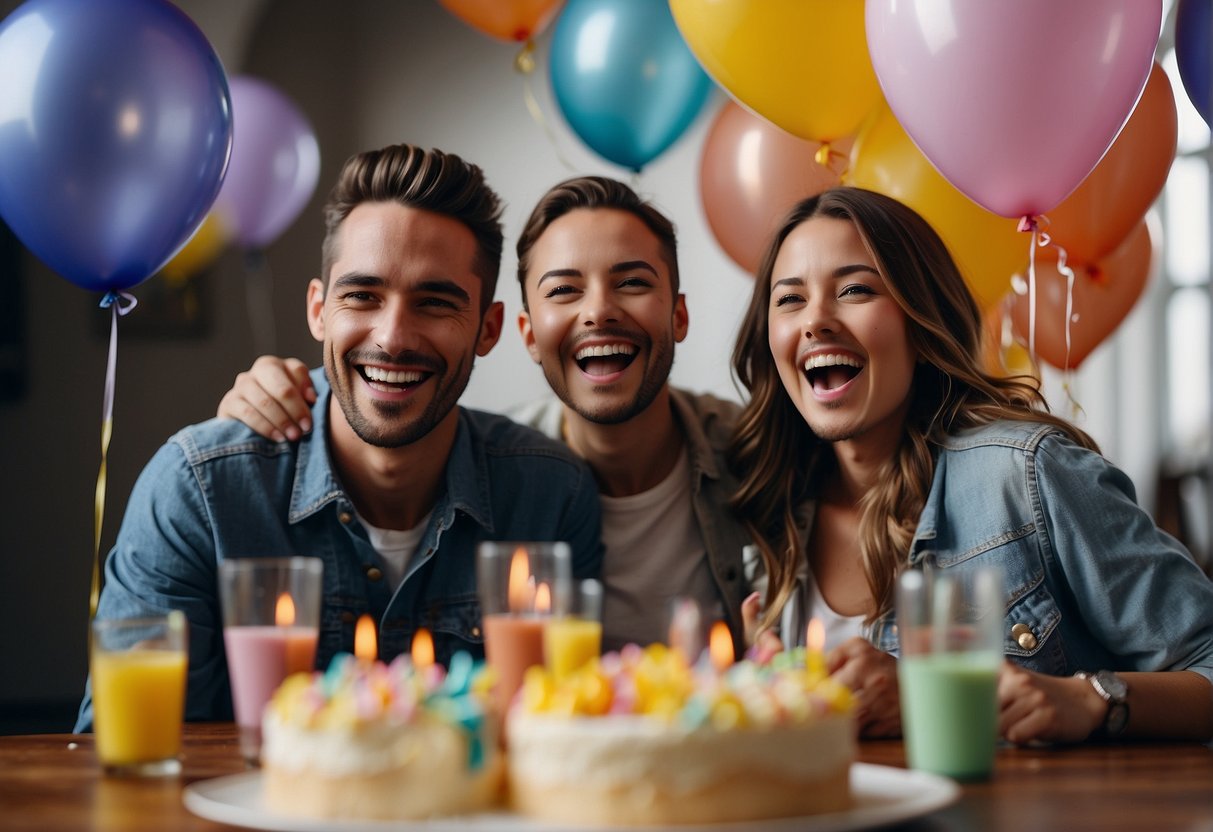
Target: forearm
1172,705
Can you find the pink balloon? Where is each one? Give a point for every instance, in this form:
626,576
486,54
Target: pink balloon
1014,102
275,164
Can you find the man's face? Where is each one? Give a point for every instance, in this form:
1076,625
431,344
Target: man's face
400,321
603,318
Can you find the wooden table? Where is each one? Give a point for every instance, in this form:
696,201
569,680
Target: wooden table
52,782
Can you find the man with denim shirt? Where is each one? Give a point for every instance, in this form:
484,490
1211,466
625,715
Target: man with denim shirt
598,270
397,485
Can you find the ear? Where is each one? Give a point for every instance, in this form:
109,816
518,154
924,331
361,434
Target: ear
681,319
490,328
315,308
528,335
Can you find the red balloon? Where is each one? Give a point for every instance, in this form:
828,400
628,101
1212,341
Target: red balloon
508,20
1097,217
1104,292
751,173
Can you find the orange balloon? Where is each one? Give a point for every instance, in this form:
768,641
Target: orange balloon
987,247
1001,352
1093,220
751,173
1104,292
510,20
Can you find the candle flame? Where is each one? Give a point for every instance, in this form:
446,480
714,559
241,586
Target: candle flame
284,610
423,648
720,646
815,638
365,646
519,587
543,598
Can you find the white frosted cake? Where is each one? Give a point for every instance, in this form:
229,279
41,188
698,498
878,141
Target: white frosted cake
368,740
640,738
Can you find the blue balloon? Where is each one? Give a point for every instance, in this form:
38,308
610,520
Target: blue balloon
1194,53
115,131
624,78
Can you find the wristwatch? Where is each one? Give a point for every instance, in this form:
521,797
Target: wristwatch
1115,692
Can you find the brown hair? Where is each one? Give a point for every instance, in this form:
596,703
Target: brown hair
778,459
594,192
427,179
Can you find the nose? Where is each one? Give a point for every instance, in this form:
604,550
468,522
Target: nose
820,319
394,330
599,306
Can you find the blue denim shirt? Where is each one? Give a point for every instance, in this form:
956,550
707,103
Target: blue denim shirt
217,490
1096,583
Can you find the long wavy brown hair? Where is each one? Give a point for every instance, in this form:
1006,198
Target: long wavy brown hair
781,463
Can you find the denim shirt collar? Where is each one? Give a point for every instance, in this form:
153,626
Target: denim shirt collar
316,485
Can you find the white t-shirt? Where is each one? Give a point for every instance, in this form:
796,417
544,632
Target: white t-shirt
653,551
804,604
395,547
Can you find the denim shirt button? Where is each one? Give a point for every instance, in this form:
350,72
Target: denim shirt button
1027,641
373,573
345,517
476,632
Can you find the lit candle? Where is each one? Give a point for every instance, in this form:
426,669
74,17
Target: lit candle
423,648
513,641
366,646
720,646
815,640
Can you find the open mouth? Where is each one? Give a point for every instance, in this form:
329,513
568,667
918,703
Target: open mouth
605,359
830,371
392,381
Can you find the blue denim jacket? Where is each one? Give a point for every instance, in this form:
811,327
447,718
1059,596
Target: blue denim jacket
217,490
1096,583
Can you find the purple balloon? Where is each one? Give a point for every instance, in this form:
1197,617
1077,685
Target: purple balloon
1194,53
115,130
275,164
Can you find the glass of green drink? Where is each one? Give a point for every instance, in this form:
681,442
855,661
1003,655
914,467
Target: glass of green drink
950,628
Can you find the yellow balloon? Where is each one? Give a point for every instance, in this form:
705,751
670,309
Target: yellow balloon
988,248
800,64
199,252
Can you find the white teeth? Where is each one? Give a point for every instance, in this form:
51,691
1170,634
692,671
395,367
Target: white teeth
392,376
605,350
829,359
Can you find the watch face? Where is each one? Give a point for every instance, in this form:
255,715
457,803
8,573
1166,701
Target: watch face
1113,685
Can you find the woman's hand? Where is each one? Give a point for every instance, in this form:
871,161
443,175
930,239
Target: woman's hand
1034,706
273,397
871,675
762,644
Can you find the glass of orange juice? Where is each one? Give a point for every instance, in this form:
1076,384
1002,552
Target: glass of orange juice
138,669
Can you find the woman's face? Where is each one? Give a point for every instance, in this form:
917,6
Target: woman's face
839,339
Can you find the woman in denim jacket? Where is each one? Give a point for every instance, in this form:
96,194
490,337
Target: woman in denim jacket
874,442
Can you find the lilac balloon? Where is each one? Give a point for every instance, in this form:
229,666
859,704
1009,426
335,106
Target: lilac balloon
275,164
1014,103
115,129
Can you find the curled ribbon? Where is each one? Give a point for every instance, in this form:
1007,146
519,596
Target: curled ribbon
524,65
1037,225
119,304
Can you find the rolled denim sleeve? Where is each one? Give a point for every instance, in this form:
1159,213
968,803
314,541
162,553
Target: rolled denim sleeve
164,559
1139,591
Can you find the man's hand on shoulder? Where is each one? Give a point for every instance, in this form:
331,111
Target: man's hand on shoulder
273,397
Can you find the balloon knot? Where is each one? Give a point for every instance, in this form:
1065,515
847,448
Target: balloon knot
1027,223
124,302
822,157
524,61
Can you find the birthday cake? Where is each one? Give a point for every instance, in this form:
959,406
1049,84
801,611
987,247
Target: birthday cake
639,738
375,741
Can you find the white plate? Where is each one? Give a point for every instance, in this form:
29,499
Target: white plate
883,795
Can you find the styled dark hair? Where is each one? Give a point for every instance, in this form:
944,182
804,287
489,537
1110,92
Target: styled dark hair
594,192
778,458
428,179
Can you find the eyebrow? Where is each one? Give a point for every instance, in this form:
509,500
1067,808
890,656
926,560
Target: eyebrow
435,286
841,271
618,268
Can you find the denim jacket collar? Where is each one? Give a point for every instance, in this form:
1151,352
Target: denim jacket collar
316,483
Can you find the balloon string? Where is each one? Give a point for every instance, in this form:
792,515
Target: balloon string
1032,298
259,292
524,64
1063,269
119,303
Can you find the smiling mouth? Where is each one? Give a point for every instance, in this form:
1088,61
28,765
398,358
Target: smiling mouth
605,359
829,371
392,381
